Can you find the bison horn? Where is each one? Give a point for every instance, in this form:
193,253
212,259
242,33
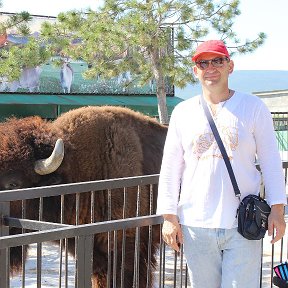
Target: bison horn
52,163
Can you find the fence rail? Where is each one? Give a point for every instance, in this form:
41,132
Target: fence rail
171,270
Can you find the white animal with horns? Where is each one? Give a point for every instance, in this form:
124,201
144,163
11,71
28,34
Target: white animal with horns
29,79
66,76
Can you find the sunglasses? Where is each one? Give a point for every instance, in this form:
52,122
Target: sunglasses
216,62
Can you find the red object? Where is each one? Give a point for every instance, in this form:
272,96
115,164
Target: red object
3,39
211,46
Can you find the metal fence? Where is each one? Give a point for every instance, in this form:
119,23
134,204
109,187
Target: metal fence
168,271
280,120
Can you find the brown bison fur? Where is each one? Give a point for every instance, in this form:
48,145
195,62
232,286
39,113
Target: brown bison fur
100,143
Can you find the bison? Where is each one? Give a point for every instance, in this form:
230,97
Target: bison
99,143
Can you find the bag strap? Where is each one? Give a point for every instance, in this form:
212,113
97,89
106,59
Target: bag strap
221,147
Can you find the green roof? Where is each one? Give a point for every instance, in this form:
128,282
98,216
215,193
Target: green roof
50,106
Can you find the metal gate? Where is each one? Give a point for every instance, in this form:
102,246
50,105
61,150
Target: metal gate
170,268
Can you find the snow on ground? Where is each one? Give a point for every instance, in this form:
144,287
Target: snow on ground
51,264
50,269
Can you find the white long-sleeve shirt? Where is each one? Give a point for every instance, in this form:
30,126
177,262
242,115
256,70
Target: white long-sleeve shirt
194,183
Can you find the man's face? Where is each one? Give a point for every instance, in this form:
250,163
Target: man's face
214,74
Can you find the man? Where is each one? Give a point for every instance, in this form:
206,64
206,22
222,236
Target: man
196,197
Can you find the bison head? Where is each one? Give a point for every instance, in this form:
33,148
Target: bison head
30,153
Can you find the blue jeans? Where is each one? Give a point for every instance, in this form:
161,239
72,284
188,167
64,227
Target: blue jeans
221,258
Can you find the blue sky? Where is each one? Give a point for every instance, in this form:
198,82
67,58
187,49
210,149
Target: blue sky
256,16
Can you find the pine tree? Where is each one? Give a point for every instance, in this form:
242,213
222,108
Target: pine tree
157,37
15,57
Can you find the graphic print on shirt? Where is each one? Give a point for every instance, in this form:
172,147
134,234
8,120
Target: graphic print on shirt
205,145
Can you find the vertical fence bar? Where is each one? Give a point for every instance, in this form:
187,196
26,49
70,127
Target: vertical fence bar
39,264
77,204
150,237
62,202
186,276
181,266
92,207
85,254
137,242
23,204
66,262
272,262
61,241
123,252
109,239
261,267
281,250
4,253
39,248
161,259
65,243
175,269
164,266
115,257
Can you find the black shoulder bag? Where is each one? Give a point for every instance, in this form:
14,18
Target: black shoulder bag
253,211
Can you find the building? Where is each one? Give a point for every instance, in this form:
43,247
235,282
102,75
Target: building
51,105
277,101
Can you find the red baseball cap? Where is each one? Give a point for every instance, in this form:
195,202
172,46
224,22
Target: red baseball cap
211,46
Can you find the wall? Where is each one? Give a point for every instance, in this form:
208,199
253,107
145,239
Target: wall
277,101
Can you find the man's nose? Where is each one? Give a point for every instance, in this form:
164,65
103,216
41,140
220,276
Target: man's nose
210,65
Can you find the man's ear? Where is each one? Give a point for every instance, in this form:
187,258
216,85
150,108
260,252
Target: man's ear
231,66
195,71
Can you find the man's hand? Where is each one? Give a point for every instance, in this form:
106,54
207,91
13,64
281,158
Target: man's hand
171,231
276,222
